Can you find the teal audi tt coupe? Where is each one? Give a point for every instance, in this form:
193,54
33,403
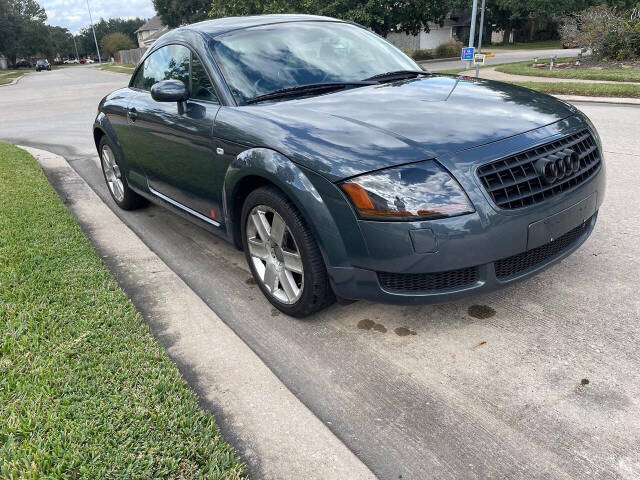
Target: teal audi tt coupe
345,171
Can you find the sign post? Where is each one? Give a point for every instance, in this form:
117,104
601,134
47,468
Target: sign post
472,33
480,36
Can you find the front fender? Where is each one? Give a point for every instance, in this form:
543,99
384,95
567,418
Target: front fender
295,182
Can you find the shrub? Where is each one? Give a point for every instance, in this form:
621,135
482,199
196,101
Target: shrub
609,34
113,42
449,49
422,54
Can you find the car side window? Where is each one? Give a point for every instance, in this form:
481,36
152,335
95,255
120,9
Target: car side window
201,87
167,63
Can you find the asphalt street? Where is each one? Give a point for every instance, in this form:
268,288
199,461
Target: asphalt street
539,380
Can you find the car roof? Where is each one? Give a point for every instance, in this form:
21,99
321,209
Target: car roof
218,26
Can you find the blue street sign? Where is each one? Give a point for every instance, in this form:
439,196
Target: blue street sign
468,53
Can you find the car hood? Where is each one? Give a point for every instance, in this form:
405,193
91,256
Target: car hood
347,133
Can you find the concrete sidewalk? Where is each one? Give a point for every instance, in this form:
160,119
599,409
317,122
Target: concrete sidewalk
274,433
491,73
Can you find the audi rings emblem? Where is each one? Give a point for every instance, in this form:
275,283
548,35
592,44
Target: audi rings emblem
558,165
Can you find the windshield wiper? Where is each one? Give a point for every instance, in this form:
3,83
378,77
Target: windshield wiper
397,75
310,88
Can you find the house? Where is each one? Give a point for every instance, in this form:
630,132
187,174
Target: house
436,36
455,27
150,32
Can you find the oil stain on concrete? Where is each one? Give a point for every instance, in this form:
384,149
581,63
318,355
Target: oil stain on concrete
367,324
404,332
481,311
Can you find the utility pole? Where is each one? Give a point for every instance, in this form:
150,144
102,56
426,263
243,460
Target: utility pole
94,32
76,47
480,36
472,33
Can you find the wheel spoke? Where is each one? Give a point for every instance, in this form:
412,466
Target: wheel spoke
292,262
262,225
119,189
288,285
258,248
277,229
271,278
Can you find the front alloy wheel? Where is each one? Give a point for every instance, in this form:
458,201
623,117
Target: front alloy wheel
283,255
275,255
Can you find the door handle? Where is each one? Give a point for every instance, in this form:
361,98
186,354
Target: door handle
132,114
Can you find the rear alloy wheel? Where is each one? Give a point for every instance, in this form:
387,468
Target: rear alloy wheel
112,174
124,197
283,255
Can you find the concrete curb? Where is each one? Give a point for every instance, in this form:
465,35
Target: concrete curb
274,433
609,100
15,80
435,60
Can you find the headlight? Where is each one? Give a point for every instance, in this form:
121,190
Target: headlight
420,191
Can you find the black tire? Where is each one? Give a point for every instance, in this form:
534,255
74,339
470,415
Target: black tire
316,292
129,200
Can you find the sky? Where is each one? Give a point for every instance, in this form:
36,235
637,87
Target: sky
73,14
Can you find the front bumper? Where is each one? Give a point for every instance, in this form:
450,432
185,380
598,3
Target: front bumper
360,284
489,238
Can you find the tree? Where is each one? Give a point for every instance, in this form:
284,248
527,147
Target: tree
113,42
510,15
23,29
28,10
62,42
381,16
9,29
34,40
409,16
175,13
104,27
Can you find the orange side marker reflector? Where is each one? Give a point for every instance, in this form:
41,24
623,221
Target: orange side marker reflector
358,195
213,214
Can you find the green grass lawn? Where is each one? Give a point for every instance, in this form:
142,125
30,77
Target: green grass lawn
124,68
586,89
9,75
542,45
85,390
616,75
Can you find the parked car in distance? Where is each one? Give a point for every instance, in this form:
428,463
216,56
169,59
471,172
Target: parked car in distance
344,170
43,64
71,61
24,64
88,60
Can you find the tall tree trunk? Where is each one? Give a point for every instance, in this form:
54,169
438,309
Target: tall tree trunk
532,31
506,35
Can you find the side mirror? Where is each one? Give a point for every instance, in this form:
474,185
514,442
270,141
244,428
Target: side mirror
170,91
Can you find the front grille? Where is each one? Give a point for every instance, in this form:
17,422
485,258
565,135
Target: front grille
514,182
524,261
428,282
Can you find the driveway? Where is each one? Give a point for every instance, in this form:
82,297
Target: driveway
539,380
503,56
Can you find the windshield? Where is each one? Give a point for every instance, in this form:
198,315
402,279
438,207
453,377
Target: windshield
41,62
260,60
